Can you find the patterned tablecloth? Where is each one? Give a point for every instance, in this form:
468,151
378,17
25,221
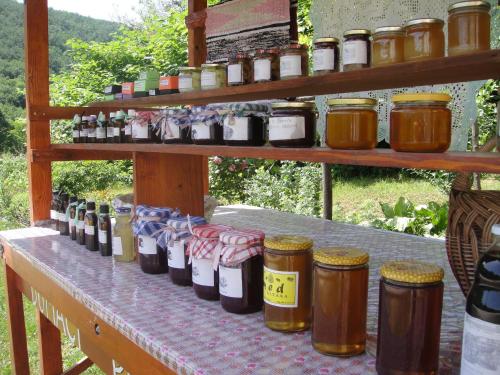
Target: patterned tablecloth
198,337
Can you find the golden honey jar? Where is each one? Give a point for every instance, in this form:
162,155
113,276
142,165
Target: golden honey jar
424,39
388,45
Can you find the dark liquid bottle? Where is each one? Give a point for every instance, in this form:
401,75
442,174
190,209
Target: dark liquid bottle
119,127
73,202
63,223
104,231
76,129
53,210
80,227
110,130
91,228
84,129
92,129
102,125
128,126
481,339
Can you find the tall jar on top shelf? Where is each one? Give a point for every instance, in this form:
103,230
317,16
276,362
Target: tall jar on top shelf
388,45
326,56
356,49
424,39
294,61
266,65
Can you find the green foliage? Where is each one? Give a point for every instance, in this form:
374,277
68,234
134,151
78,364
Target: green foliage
14,210
487,111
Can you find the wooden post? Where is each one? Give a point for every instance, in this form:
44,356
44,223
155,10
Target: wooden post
49,346
36,55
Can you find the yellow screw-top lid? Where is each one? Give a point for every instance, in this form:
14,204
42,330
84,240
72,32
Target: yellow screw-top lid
341,256
288,243
412,271
421,97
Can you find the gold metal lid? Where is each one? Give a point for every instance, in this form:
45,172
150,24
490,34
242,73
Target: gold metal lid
357,32
421,21
326,40
412,271
352,101
421,97
189,69
287,242
469,4
341,256
212,66
295,46
280,105
389,29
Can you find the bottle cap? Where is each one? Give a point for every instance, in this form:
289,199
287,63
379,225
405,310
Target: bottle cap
412,271
287,242
90,205
495,229
341,256
104,208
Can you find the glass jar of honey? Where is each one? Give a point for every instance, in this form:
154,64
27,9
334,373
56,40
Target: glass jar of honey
292,124
420,122
340,301
468,27
424,39
388,45
287,283
356,49
351,124
294,61
239,70
409,318
266,65
326,56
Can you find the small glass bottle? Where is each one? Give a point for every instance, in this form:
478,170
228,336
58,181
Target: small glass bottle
91,129
128,126
340,301
63,222
294,61
288,283
77,120
80,221
101,129
239,70
388,45
326,56
189,79
424,39
91,228
73,203
105,231
110,130
266,65
292,124
84,131
123,239
119,127
356,49
409,318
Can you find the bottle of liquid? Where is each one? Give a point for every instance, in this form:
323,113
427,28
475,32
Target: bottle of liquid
104,231
119,127
128,126
73,204
84,129
102,124
481,340
110,131
123,240
76,128
91,227
63,222
53,210
80,226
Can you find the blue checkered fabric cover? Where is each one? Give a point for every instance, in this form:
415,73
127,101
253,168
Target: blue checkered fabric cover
149,228
159,214
177,228
150,211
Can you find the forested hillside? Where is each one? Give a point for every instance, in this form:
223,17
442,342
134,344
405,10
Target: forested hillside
62,26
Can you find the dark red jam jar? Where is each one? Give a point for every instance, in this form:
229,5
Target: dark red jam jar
292,124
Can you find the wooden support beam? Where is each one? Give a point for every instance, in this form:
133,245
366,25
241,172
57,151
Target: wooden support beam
195,21
65,155
49,346
80,367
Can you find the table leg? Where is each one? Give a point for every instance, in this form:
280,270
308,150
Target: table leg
49,346
15,321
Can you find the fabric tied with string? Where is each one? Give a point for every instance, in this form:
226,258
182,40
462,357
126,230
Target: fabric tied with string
238,245
178,228
204,240
145,214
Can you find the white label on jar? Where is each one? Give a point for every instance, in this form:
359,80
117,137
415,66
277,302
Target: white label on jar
185,83
355,52
116,132
71,228
62,217
103,236
172,131
208,79
147,245
139,132
236,129
91,133
84,133
100,133
110,132
200,131
234,73
203,272
53,214
89,230
76,133
128,129
262,70
116,244
324,59
81,224
230,282
290,66
285,128
480,347
176,257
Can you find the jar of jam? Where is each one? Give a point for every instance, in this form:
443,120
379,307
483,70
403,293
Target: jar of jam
206,127
294,61
326,56
91,228
356,49
104,231
409,318
266,65
80,221
177,127
73,204
102,126
241,271
201,249
91,129
239,70
287,283
128,126
110,130
468,27
123,240
388,45
292,124
424,39
244,125
340,301
213,76
351,124
420,122
141,127
189,79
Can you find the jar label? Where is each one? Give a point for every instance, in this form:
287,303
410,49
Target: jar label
171,131
236,128
230,282
208,79
200,131
101,133
234,73
91,133
62,217
81,225
147,245
84,133
284,128
71,228
185,83
116,132
76,133
103,236
110,132
116,244
290,65
53,214
355,52
176,257
89,230
203,272
139,132
281,288
128,129
262,70
324,59
483,338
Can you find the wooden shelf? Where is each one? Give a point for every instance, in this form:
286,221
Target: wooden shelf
451,161
477,66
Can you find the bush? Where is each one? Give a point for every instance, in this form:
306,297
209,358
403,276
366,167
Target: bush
14,202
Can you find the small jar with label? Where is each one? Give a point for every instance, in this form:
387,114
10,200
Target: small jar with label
201,249
288,283
244,125
409,318
141,128
420,122
241,271
123,239
110,130
73,204
206,127
292,124
80,221
77,120
189,79
91,228
266,65
326,56
128,126
84,131
177,127
102,126
351,124
424,39
92,129
294,61
239,70
213,76
388,45
119,127
356,49
340,301
105,231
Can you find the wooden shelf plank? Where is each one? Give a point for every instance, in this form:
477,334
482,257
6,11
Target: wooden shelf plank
451,161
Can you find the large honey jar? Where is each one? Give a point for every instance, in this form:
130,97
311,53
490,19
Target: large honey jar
424,39
388,45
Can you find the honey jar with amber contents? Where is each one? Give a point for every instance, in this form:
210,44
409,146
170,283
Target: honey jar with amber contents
340,301
287,283
424,39
388,45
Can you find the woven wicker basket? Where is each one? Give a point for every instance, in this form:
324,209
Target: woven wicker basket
470,218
